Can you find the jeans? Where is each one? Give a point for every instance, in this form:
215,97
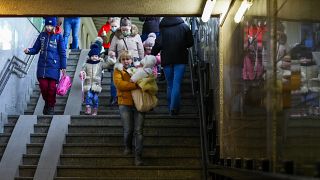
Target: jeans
71,23
113,90
92,99
133,122
48,90
174,75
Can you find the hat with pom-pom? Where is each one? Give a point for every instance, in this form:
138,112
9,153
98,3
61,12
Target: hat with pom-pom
149,42
94,50
50,21
97,43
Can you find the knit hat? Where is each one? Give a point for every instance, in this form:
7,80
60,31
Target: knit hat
149,61
125,22
97,43
51,21
149,42
94,50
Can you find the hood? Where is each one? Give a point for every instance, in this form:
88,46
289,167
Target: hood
134,32
170,21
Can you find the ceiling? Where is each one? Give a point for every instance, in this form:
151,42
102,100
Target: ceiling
102,8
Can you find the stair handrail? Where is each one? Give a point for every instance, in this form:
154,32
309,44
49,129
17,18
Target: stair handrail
17,66
195,65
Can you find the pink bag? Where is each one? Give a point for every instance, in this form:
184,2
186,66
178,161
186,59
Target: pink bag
64,85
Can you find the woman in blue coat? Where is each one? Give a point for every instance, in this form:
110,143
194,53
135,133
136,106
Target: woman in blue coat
52,60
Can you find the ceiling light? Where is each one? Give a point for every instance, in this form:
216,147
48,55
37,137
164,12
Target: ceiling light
245,5
207,11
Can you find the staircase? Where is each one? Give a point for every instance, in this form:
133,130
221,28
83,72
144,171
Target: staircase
5,136
37,139
94,144
93,147
61,100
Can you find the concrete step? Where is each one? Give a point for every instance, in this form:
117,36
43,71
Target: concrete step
149,150
8,128
41,129
30,159
151,139
4,137
157,110
27,170
38,138
34,148
12,119
120,160
169,172
115,120
118,178
44,120
148,129
57,112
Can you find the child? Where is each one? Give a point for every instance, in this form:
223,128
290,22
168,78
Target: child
148,63
91,73
51,61
133,120
148,44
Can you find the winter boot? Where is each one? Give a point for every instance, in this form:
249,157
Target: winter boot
138,161
88,110
95,111
45,109
50,110
127,151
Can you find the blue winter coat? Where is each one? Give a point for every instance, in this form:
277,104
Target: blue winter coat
52,55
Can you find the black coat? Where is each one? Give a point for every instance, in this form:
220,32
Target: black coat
151,24
173,42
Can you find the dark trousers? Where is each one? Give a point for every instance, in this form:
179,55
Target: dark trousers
48,90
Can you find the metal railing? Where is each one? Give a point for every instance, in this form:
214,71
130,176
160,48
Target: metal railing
16,66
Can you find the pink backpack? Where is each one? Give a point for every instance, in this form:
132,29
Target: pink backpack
64,85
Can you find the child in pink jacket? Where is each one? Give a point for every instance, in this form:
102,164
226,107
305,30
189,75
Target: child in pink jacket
148,44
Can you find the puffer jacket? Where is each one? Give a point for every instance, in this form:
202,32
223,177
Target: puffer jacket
52,55
93,73
121,79
176,37
133,42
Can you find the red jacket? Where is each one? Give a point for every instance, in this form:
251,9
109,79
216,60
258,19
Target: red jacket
107,29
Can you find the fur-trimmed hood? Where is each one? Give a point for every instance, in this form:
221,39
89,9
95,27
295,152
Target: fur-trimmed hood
118,66
134,32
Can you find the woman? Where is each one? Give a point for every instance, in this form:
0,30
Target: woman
133,120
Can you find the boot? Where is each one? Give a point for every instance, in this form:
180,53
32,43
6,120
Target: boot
50,110
127,151
88,110
95,111
45,109
138,161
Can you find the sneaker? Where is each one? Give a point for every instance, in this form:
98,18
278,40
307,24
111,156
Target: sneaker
138,161
50,110
95,111
127,151
88,110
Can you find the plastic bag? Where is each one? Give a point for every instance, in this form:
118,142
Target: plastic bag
64,85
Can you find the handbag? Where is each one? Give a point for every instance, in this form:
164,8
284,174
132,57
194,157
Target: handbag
143,101
64,85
